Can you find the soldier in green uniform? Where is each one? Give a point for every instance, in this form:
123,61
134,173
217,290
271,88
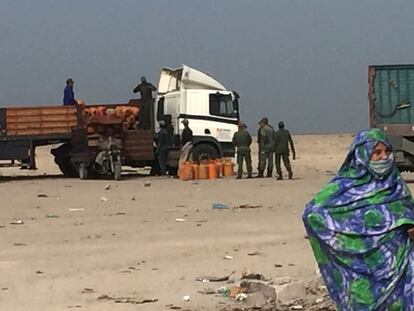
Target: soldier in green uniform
266,146
282,140
242,140
162,140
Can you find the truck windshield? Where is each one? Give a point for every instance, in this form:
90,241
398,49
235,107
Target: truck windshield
222,105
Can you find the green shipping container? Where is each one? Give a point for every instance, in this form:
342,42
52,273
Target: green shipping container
391,98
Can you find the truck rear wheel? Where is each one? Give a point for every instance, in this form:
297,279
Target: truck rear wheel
203,152
62,159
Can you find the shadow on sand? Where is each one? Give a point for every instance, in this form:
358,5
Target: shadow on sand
127,175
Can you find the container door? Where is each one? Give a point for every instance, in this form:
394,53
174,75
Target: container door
393,95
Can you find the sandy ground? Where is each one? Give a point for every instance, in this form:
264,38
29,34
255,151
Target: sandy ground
131,244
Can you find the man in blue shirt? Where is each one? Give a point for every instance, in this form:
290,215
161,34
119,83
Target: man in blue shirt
69,95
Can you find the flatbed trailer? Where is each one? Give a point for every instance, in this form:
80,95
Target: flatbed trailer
22,129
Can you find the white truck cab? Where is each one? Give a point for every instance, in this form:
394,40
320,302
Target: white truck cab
211,109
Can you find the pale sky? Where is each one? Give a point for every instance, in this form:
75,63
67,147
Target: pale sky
304,62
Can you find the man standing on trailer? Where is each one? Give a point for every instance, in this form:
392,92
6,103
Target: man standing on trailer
68,94
145,89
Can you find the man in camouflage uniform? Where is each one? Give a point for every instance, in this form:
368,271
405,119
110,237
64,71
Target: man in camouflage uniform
266,146
242,140
282,140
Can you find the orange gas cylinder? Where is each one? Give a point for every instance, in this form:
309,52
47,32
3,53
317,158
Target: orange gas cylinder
196,171
186,171
212,170
203,170
228,168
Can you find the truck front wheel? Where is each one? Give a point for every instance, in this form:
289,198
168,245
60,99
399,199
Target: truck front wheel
203,152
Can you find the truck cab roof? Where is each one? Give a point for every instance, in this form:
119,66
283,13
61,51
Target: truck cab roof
186,77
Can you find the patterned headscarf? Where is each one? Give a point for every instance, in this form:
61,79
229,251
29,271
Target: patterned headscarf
357,226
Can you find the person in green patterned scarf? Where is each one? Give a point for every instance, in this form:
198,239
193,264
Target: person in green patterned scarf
358,226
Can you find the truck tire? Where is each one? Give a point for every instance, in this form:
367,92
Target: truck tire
117,171
62,159
204,152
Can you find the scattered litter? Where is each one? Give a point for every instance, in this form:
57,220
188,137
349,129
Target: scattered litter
17,222
209,278
2,227
228,257
133,199
322,288
180,220
76,209
126,300
39,272
88,291
236,290
52,216
255,253
104,199
147,184
278,266
220,206
42,195
208,291
75,307
241,297
95,236
253,276
319,300
120,214
186,298
107,187
224,291
246,206
4,288
297,307
19,244
172,307
291,265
